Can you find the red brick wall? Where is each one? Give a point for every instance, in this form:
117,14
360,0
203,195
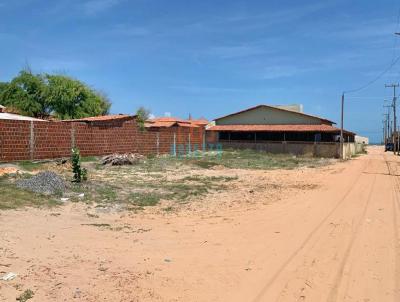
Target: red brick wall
14,140
51,140
55,139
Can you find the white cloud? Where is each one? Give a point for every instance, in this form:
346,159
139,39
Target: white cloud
167,114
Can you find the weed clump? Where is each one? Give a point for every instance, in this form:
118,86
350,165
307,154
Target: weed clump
80,174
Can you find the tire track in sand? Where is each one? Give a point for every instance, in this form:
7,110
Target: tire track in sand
333,294
396,210
310,235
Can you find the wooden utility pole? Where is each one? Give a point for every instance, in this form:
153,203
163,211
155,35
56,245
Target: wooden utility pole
395,132
341,128
384,132
387,122
386,128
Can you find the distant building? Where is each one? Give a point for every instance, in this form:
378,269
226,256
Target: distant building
264,123
294,107
167,122
4,115
361,139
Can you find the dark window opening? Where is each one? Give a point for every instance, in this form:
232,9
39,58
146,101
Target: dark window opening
283,136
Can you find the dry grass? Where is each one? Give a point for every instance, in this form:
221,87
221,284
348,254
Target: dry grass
155,179
12,197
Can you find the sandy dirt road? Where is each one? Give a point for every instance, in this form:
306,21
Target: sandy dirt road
339,242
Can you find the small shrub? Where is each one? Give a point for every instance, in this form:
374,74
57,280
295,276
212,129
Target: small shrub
80,174
142,115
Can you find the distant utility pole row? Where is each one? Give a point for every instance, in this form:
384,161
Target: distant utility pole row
390,131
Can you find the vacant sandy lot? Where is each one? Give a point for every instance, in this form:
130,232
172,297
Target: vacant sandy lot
311,234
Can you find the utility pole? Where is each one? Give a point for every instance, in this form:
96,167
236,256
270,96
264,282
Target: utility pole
384,132
395,132
387,122
341,128
385,129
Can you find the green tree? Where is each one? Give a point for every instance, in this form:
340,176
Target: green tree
27,93
40,95
142,115
71,98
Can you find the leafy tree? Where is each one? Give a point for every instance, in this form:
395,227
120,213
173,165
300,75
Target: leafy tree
40,95
27,93
142,115
73,99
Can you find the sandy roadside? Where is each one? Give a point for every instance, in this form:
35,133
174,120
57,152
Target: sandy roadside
335,242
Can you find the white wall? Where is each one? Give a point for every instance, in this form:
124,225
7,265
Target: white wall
268,116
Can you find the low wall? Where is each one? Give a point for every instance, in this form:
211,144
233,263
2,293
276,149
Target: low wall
30,140
297,148
351,149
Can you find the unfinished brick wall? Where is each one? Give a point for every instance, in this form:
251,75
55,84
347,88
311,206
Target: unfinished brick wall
14,140
26,140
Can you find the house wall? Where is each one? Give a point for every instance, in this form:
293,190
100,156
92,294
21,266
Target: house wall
26,140
268,116
328,150
361,139
320,149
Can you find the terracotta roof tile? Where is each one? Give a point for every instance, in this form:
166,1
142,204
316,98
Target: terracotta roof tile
168,119
166,122
277,128
101,118
200,122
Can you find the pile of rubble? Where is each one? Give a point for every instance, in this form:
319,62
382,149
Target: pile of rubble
122,159
44,182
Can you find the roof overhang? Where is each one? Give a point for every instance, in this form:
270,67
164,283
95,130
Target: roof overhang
322,128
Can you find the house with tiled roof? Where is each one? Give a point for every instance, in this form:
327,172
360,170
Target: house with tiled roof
167,122
267,124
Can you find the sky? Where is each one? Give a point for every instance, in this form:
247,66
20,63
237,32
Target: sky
213,57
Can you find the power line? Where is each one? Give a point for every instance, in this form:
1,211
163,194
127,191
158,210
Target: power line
395,38
376,78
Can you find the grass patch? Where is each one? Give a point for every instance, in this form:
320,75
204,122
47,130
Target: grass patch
12,197
230,158
25,296
144,199
205,164
106,194
168,209
87,159
251,159
30,165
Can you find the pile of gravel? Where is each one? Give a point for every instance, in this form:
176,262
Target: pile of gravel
44,183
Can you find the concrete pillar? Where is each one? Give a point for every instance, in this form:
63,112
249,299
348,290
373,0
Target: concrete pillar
190,145
158,143
204,140
72,135
32,141
174,146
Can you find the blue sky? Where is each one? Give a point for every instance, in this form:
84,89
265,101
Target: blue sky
210,57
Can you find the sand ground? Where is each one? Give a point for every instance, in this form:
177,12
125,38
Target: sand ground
332,237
